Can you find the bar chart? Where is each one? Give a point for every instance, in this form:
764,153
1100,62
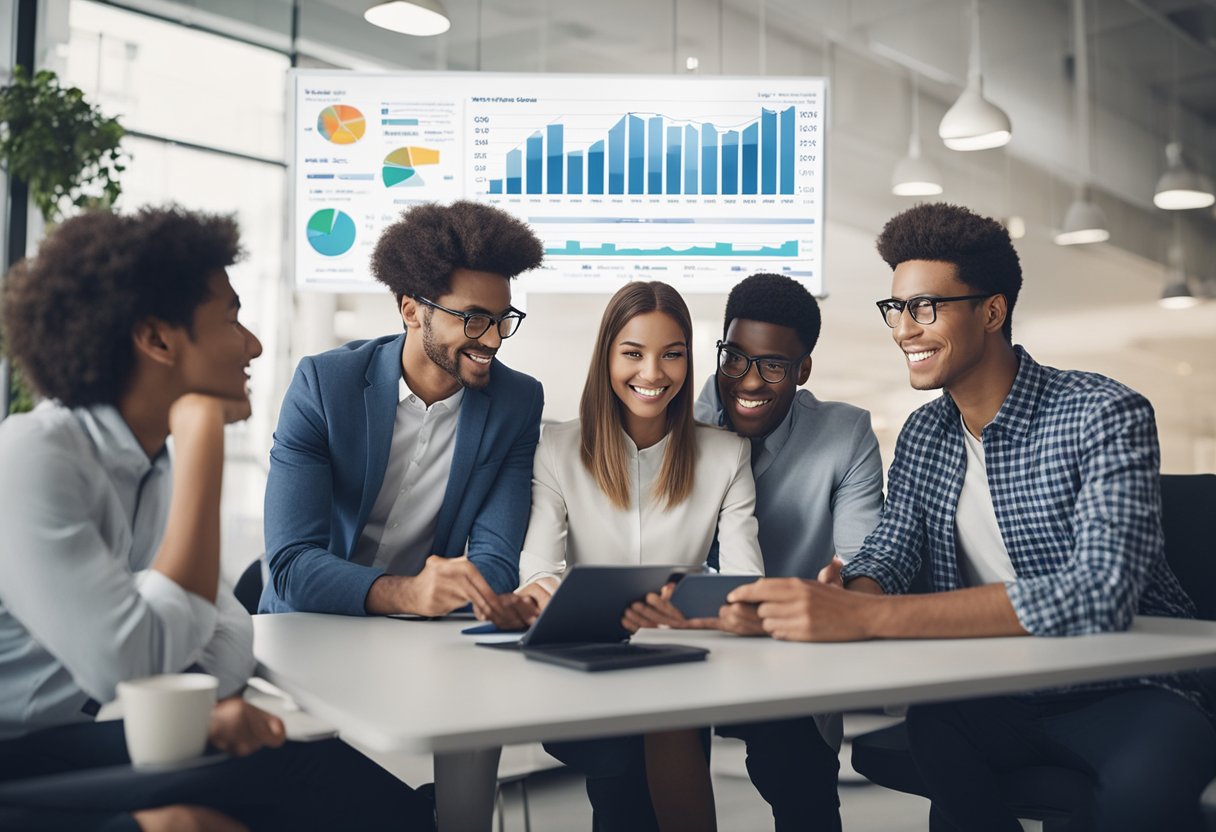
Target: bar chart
696,181
654,154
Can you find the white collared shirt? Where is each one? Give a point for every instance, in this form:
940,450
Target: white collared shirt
400,530
83,511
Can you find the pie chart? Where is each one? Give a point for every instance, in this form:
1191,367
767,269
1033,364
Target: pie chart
331,232
341,124
399,166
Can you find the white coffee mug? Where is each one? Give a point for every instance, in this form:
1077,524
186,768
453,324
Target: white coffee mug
165,718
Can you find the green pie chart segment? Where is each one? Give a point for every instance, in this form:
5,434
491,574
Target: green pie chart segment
331,232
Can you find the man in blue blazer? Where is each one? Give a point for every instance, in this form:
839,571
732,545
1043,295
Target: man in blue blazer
400,476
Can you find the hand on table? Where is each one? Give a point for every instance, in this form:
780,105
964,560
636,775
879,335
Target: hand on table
240,729
795,609
656,610
515,611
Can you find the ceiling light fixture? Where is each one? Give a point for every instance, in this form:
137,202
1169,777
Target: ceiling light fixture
410,17
974,122
1177,292
914,176
1180,188
1084,222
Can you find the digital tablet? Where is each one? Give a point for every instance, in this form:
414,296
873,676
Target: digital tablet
701,596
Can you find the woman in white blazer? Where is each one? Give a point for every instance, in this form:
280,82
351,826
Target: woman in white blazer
635,481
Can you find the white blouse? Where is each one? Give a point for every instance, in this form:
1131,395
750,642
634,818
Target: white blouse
574,522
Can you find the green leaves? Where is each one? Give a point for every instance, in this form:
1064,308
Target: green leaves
59,144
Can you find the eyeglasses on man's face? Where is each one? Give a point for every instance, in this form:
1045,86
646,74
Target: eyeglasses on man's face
922,308
477,324
735,364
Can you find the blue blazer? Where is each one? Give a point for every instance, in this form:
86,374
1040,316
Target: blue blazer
328,460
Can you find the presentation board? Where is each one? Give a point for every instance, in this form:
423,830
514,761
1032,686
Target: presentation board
694,180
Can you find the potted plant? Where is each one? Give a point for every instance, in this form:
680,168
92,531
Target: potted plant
63,148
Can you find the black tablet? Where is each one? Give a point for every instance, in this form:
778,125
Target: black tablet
701,596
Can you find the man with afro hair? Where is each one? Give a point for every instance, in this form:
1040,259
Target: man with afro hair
1031,495
110,566
400,476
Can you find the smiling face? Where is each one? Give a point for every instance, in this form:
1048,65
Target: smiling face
753,406
647,365
215,357
946,353
467,360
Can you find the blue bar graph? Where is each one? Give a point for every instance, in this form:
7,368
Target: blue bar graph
654,180
690,159
768,152
674,138
535,146
709,159
787,150
652,155
574,172
595,168
730,162
750,134
616,158
554,132
637,155
514,171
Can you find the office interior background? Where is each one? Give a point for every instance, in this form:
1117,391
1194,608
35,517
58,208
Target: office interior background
202,88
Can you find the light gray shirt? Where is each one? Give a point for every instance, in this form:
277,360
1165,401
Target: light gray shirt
400,530
818,482
818,491
82,512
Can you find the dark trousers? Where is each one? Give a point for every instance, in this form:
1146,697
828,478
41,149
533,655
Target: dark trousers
1145,753
794,770
77,777
787,760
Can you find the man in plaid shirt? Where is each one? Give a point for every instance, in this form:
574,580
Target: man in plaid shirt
1031,494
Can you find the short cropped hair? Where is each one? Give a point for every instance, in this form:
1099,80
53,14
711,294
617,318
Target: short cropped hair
776,299
416,255
69,312
979,247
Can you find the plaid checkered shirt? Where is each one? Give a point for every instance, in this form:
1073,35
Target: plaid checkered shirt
1073,466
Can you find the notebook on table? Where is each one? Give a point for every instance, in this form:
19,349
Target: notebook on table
581,625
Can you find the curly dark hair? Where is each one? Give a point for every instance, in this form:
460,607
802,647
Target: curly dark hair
69,312
417,254
979,247
776,299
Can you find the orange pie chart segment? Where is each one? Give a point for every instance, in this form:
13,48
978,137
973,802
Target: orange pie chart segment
341,124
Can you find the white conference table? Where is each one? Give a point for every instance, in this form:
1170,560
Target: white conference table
423,687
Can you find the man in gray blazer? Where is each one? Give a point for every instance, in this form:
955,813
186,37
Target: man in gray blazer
818,494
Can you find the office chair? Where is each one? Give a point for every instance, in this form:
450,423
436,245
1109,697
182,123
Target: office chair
248,589
1049,793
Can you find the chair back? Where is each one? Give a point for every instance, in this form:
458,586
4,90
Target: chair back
1188,520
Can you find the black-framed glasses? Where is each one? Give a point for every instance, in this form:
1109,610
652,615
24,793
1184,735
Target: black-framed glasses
922,308
476,324
735,364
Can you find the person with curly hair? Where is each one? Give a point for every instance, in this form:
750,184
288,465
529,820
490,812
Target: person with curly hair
110,568
400,476
1031,496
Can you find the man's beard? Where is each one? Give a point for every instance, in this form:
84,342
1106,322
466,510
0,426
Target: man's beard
449,362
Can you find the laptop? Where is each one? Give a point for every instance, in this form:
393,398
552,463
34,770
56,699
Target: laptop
581,625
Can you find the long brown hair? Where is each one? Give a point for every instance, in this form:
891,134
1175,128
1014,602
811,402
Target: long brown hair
602,424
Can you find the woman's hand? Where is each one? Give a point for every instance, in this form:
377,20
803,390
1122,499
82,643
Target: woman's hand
656,610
